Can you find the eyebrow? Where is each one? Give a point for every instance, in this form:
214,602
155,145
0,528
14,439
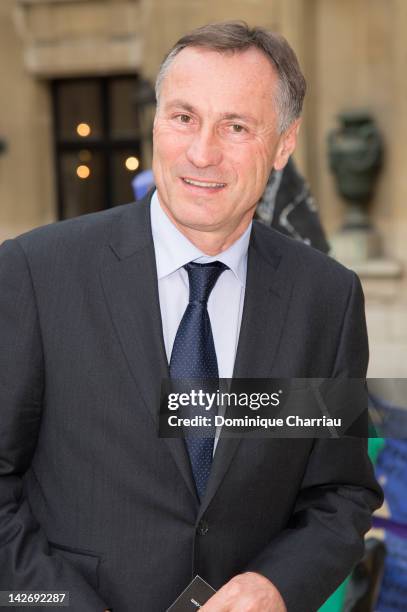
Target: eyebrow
227,116
239,117
181,104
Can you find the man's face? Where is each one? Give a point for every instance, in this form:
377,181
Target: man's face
216,138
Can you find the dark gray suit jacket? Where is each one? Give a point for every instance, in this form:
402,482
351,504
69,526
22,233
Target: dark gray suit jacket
91,499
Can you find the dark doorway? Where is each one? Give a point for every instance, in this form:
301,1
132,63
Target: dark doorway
98,142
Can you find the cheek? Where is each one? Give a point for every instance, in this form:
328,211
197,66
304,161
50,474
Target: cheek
167,144
252,166
263,163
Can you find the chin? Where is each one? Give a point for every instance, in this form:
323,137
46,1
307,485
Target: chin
196,219
196,222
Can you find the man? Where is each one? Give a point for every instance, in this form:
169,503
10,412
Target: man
96,311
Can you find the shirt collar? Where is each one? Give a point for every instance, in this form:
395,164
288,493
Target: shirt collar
173,250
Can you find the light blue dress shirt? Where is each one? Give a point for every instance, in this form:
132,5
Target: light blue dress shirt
225,305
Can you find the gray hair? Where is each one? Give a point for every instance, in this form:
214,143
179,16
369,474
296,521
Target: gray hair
236,36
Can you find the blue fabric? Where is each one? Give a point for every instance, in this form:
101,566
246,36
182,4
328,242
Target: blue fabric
193,356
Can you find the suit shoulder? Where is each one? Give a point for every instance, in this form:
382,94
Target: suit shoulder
313,265
86,231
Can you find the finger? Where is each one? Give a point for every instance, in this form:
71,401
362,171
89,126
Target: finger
220,602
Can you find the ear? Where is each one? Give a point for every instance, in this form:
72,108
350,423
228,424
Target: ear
286,145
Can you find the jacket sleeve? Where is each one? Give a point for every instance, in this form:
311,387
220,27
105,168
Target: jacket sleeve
26,561
323,538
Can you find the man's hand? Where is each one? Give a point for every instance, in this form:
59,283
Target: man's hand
249,592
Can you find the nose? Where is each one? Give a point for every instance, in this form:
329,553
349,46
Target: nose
204,149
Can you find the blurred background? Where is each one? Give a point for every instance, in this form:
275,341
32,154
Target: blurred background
76,110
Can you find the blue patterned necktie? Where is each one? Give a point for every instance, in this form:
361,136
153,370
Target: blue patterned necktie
193,356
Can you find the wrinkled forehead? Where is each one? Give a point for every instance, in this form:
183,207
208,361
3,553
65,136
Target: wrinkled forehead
228,81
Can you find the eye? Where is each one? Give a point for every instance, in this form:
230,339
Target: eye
236,128
183,118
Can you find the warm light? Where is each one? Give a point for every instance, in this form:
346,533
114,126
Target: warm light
83,129
132,163
83,172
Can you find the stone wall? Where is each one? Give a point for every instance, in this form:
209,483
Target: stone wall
26,167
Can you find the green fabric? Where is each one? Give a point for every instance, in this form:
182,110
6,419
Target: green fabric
336,601
374,448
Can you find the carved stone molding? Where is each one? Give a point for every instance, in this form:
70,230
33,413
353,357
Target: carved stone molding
79,37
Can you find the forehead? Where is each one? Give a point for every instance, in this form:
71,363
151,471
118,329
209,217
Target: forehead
240,79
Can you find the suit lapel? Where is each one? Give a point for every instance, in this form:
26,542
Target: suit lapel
268,291
129,278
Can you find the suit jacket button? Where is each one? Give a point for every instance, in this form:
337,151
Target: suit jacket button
203,528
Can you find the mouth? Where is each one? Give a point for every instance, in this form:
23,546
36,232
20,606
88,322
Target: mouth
203,185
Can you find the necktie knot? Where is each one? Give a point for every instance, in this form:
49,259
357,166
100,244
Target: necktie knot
202,279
